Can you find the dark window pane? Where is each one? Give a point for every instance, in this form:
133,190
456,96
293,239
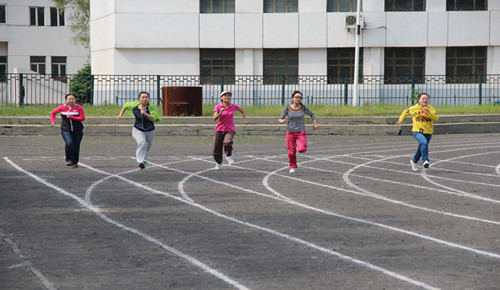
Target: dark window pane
32,16
62,22
53,16
467,5
228,6
281,66
332,6
205,6
403,65
41,16
217,65
3,18
404,5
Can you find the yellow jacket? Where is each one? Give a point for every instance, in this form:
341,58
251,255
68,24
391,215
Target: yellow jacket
422,120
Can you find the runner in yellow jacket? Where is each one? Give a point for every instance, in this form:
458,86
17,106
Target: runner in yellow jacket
423,116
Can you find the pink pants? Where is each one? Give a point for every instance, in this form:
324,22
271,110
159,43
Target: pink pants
295,141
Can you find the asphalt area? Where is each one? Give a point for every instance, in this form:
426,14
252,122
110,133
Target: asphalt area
353,216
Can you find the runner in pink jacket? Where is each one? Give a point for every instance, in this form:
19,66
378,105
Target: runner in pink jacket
72,116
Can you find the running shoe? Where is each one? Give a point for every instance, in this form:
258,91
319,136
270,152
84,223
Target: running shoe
413,165
218,166
230,160
292,170
426,164
142,165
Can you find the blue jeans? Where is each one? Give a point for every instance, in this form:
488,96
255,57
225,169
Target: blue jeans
72,149
423,146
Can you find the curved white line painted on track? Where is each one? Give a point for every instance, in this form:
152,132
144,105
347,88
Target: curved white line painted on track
290,201
428,179
366,193
96,211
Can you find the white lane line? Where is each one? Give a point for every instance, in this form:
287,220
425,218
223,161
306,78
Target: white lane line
288,237
366,193
497,169
126,228
25,262
428,179
293,202
452,191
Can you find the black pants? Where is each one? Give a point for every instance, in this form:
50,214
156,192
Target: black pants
223,139
72,149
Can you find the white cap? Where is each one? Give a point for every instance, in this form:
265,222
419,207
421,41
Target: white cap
225,92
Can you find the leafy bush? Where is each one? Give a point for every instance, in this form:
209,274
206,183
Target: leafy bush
81,85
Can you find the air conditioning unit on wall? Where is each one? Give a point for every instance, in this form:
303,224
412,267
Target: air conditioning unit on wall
350,20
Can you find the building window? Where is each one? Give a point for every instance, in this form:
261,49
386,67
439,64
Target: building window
59,67
37,16
404,5
217,66
38,64
340,64
404,65
56,17
466,5
3,18
216,6
3,68
465,64
281,6
281,66
341,6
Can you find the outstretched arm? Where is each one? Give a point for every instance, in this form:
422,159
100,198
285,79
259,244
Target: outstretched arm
244,116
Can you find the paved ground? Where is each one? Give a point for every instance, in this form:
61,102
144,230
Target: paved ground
354,216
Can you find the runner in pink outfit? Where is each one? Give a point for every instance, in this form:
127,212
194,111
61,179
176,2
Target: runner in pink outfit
225,130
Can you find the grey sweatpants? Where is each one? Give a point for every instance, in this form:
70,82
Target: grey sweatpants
144,142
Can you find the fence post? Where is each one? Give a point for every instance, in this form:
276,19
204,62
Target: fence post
480,89
158,89
91,101
221,84
346,88
283,91
21,90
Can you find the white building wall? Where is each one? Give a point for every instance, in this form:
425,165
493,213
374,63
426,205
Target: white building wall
22,40
170,33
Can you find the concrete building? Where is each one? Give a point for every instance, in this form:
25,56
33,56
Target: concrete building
170,37
36,38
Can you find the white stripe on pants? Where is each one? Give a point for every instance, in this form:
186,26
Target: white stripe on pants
144,142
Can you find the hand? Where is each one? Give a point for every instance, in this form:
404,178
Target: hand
315,127
221,110
52,124
119,118
399,122
245,122
283,121
426,109
143,112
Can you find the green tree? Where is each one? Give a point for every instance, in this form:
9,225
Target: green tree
80,19
81,85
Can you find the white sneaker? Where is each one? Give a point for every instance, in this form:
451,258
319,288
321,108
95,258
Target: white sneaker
426,164
292,170
230,160
413,165
218,166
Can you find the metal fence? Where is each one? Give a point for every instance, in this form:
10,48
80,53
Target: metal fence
253,90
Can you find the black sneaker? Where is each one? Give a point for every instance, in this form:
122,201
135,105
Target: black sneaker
426,164
142,165
69,163
75,165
